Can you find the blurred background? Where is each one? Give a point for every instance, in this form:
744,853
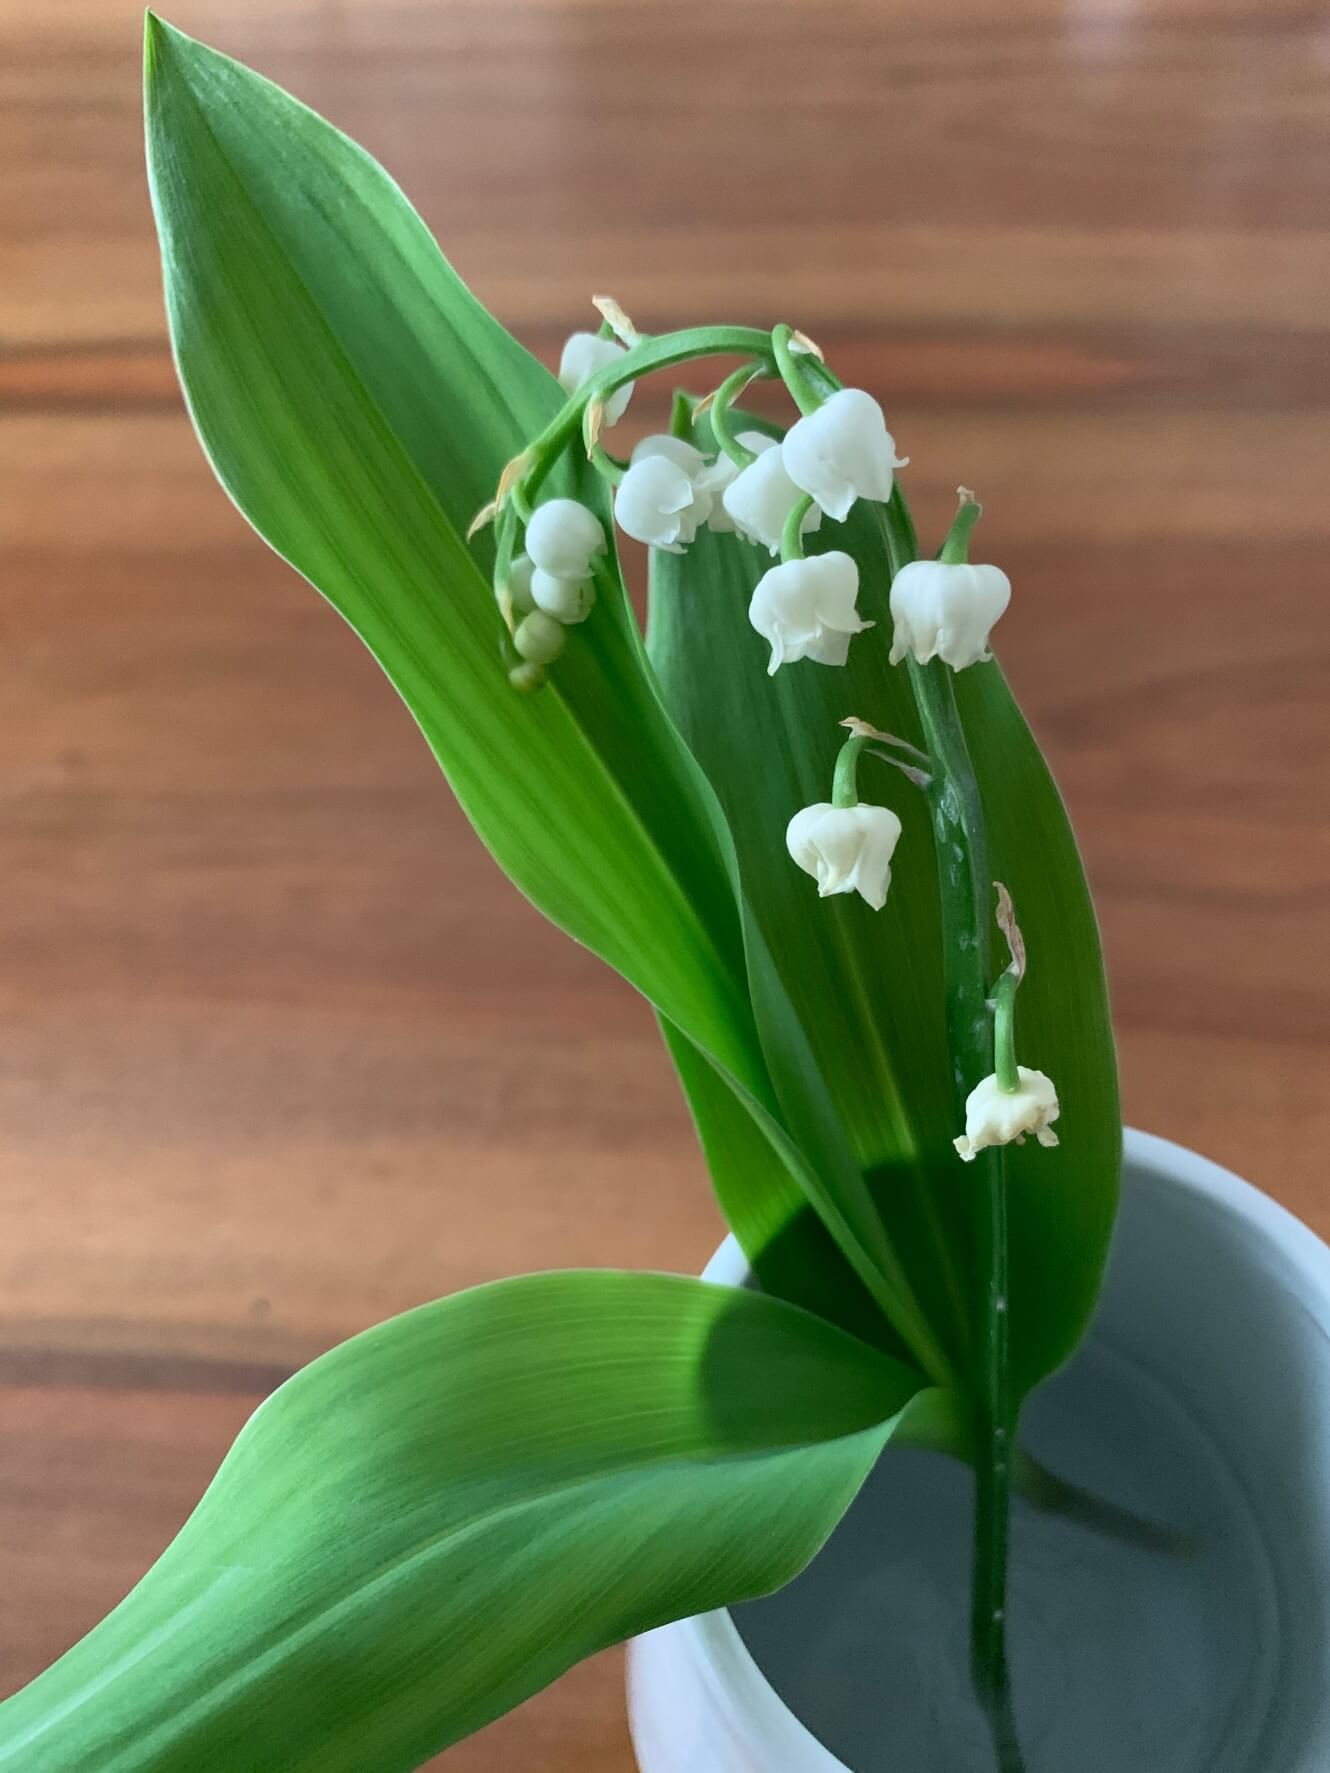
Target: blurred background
281,1052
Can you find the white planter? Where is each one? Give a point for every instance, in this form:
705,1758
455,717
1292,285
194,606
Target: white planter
1201,1398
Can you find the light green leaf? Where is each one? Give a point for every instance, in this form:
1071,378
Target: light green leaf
358,405
864,987
438,1517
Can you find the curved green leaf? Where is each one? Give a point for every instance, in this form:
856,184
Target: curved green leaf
863,987
438,1517
358,404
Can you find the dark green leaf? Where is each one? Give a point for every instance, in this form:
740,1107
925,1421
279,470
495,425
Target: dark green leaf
865,988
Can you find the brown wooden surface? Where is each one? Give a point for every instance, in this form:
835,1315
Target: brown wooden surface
281,1052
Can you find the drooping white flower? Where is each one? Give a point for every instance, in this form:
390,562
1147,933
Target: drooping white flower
847,849
805,609
561,538
723,472
519,585
762,495
583,354
946,611
659,503
842,452
994,1116
539,638
567,600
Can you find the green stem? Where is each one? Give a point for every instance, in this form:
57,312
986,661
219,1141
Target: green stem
790,364
721,422
792,533
1004,1032
845,783
964,882
664,352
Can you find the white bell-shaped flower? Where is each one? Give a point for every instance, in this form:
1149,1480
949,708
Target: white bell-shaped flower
562,537
723,472
762,495
946,611
567,600
660,503
805,609
842,452
539,638
994,1116
583,354
847,849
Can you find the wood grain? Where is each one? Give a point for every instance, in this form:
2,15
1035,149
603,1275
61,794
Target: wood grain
282,1054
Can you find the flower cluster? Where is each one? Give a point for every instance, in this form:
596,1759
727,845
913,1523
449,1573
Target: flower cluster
550,585
773,492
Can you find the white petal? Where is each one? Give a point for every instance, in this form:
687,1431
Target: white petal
675,450
583,354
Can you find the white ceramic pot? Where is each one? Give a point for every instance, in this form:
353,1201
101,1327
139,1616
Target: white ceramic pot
1201,1399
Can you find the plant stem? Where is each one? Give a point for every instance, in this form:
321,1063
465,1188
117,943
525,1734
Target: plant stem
965,887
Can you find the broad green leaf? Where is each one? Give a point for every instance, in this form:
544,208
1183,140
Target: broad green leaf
440,1516
358,405
865,987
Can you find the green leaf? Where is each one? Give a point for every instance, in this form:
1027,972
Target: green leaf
865,988
440,1516
358,404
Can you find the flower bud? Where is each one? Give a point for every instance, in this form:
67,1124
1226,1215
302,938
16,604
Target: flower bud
659,503
561,538
567,600
805,609
994,1116
539,638
527,678
946,611
583,354
847,849
519,585
842,452
761,497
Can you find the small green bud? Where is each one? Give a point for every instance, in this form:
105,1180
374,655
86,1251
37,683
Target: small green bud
527,678
539,638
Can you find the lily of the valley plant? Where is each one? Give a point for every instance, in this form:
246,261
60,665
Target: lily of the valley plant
803,817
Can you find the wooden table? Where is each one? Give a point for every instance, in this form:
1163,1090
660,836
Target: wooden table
281,1053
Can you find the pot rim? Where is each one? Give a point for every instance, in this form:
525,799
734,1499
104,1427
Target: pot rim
713,1640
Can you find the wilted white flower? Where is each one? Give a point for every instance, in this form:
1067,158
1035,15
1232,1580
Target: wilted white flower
561,538
567,600
946,611
805,608
762,495
659,503
539,638
842,452
847,849
994,1116
583,354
